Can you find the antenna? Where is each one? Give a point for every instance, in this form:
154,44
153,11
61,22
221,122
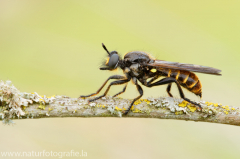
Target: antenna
105,48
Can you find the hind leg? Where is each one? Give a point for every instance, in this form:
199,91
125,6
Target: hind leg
170,80
169,89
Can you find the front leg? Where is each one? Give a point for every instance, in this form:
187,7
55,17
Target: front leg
124,88
112,83
111,77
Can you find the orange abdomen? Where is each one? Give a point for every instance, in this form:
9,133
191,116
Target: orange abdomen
188,80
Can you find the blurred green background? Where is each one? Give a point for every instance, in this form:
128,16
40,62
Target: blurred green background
54,47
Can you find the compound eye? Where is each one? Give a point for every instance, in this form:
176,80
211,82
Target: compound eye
113,60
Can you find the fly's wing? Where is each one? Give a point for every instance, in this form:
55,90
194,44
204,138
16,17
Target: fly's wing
185,67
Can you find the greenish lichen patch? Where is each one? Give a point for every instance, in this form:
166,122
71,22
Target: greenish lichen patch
41,106
13,102
17,105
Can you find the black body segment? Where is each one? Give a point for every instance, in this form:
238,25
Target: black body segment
138,56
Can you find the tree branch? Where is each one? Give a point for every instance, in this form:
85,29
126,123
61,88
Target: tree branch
20,105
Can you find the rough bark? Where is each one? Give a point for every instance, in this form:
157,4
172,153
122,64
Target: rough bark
20,105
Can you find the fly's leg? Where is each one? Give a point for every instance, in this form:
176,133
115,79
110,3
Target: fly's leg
121,91
112,83
111,77
153,79
168,89
139,88
169,80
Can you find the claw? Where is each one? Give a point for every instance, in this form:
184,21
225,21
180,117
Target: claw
91,100
82,97
126,112
199,107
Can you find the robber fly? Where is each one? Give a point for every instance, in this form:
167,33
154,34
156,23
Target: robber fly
139,66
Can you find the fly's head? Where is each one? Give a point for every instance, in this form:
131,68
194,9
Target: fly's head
113,60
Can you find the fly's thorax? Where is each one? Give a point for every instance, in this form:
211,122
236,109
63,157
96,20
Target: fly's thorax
135,69
126,70
138,56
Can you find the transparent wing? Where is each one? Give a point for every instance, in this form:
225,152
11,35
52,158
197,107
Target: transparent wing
184,66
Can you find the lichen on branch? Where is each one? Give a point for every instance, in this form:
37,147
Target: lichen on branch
21,105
